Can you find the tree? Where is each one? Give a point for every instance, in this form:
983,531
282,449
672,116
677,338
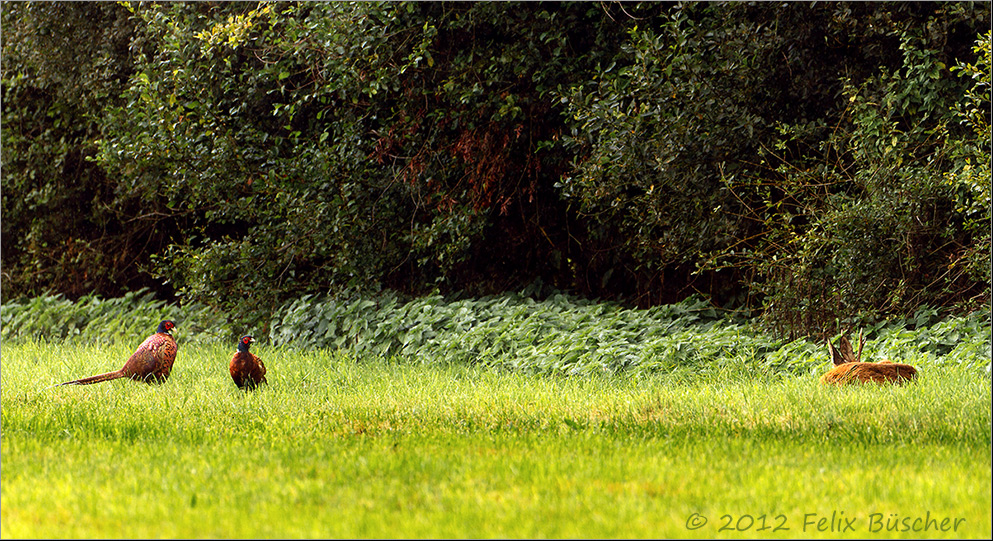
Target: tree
244,153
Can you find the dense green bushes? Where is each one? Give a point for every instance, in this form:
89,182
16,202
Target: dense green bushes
813,161
827,200
62,226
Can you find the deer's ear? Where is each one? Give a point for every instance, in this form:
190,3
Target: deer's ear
836,357
845,350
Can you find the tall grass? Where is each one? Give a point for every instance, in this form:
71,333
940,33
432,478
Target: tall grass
338,446
496,417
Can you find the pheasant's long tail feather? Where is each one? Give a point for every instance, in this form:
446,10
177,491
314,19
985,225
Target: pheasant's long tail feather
95,379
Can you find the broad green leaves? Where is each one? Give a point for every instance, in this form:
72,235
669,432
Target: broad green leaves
560,335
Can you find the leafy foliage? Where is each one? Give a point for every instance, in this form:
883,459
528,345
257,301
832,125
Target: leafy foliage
91,319
870,224
62,64
701,155
560,335
292,148
813,161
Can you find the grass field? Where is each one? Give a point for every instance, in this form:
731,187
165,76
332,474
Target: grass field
339,448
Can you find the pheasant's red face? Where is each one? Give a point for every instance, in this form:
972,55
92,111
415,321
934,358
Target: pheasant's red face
169,325
246,340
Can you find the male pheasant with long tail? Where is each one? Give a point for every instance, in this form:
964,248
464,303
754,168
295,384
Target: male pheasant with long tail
151,362
246,369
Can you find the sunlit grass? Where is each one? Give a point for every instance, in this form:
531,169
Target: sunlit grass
340,448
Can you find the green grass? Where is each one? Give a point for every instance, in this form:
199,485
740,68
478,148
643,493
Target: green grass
336,448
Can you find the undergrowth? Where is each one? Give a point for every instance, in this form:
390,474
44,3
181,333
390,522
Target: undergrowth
561,335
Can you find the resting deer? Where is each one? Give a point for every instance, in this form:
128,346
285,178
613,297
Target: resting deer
849,368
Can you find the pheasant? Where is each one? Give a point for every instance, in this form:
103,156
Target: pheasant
151,362
247,370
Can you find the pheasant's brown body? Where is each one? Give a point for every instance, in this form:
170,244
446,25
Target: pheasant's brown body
151,362
247,370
